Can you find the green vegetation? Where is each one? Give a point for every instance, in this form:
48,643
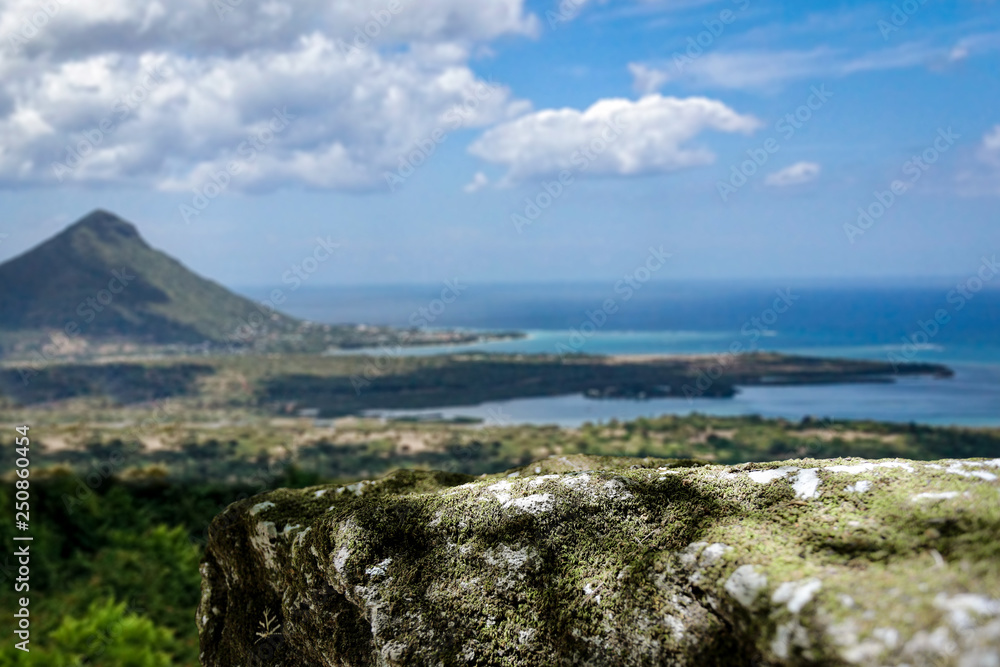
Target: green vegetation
337,385
350,449
114,578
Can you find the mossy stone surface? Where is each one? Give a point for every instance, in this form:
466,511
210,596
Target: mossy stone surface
601,561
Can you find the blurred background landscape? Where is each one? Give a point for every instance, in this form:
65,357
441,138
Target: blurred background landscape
247,246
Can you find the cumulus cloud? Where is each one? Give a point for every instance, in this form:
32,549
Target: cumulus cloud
166,93
234,26
613,136
796,174
478,182
991,143
982,177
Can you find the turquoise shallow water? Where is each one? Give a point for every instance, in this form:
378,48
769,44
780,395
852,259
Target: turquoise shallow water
971,398
861,322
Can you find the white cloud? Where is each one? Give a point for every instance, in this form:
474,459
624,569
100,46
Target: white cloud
983,177
991,142
613,136
796,174
747,70
765,69
202,27
478,182
647,80
358,107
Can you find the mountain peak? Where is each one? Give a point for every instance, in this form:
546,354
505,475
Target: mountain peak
141,293
106,225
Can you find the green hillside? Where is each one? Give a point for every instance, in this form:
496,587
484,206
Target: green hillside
99,279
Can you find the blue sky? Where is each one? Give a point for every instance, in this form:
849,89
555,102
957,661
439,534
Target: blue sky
646,132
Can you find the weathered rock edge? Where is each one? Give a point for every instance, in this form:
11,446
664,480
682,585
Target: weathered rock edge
587,561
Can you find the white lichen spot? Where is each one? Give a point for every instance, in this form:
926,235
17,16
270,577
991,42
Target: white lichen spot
859,468
789,634
937,642
393,652
796,594
854,469
589,589
260,507
959,469
514,474
358,488
538,471
712,554
806,483
437,520
616,490
888,636
320,493
746,584
538,481
501,491
340,560
289,528
962,609
378,570
698,556
300,539
524,636
855,650
505,556
768,476
944,495
576,480
677,628
689,555
261,540
859,487
536,504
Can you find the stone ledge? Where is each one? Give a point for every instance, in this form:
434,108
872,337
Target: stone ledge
601,561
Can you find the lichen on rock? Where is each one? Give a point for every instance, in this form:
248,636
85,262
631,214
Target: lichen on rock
602,561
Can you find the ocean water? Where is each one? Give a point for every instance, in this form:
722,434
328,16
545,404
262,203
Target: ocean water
928,322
